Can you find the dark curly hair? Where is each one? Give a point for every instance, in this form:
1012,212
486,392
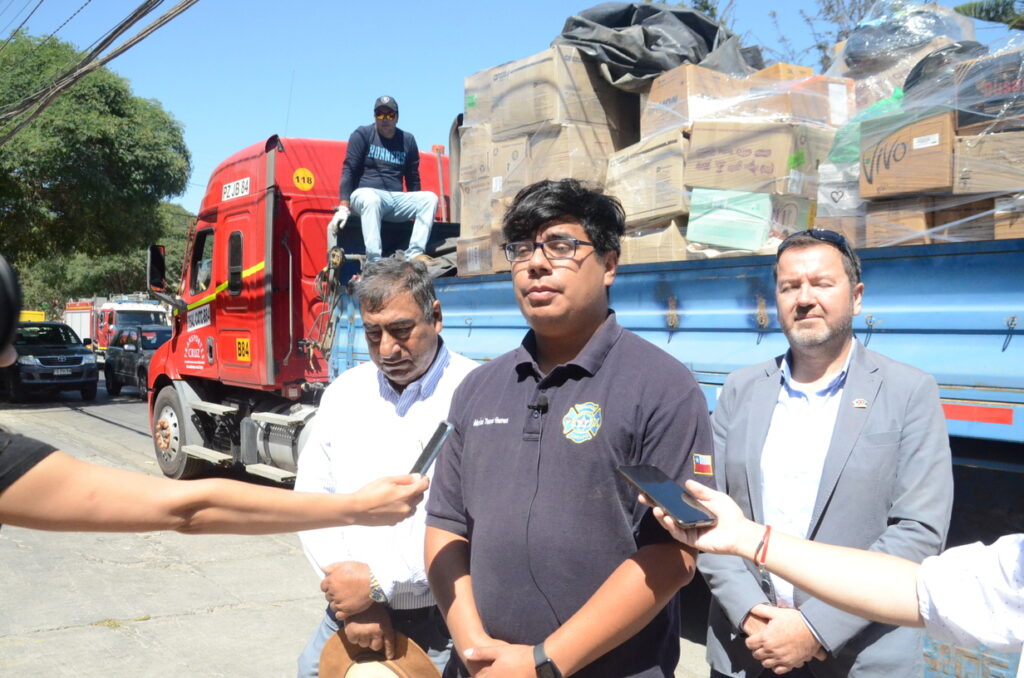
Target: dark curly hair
601,215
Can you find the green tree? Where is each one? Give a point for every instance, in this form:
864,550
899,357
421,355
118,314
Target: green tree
1009,12
53,281
88,174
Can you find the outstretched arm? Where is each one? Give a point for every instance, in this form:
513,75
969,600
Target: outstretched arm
66,494
869,584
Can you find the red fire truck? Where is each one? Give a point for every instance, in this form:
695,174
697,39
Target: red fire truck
98,318
246,363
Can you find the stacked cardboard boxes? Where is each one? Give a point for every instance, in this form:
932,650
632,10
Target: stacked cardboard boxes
549,116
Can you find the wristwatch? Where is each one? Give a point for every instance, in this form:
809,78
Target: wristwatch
377,594
545,666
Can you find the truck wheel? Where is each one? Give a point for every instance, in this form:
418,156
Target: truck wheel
169,437
143,384
89,391
111,382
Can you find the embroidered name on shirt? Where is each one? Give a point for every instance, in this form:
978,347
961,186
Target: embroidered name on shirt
488,421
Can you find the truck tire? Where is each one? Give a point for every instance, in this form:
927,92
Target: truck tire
111,382
169,437
143,384
89,391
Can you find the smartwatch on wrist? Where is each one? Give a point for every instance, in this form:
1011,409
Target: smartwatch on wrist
545,666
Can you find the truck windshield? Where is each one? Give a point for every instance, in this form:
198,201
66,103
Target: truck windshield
152,339
141,318
39,335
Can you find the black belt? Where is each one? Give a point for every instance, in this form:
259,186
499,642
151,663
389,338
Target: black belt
414,614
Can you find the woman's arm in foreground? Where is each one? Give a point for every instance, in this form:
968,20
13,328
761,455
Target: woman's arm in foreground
64,493
873,585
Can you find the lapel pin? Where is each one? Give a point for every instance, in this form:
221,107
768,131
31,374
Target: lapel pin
860,403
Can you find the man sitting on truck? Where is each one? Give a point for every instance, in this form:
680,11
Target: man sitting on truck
538,433
378,158
376,416
831,442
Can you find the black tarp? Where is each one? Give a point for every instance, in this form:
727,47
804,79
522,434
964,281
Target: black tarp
636,42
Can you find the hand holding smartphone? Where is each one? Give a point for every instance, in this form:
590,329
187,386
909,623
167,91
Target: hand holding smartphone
432,448
668,495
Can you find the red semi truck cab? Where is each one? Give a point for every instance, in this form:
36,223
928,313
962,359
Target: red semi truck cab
244,368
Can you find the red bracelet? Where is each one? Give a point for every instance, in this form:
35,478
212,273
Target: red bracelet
762,548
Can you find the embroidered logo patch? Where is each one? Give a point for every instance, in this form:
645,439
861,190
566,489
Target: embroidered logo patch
582,422
702,465
860,403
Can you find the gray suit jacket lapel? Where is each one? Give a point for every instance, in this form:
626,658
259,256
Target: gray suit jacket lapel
862,382
764,395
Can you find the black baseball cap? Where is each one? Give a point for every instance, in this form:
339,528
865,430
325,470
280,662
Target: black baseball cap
386,102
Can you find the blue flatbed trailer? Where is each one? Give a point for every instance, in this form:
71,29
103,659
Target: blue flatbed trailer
955,311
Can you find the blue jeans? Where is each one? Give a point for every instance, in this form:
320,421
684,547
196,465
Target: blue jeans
426,627
374,205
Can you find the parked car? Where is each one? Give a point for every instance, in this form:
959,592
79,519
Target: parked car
127,359
51,358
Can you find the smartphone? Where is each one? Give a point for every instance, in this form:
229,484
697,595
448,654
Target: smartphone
668,495
429,453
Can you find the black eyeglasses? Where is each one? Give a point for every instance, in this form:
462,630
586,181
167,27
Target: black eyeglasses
556,248
822,234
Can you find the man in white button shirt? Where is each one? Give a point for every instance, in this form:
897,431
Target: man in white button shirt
379,416
834,443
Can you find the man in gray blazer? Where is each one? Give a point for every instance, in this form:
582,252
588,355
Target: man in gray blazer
834,443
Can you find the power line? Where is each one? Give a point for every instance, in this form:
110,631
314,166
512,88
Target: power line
24,21
90,62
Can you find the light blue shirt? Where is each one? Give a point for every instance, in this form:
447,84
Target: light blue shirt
794,455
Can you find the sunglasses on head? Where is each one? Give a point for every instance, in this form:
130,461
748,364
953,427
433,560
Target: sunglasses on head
822,234
385,115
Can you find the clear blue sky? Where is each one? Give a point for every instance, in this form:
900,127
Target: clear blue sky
234,72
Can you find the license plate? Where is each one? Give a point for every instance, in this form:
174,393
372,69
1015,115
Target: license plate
61,371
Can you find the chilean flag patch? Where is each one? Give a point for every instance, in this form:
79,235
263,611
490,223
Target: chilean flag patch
702,465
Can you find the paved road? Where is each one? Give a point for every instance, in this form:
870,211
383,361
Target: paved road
160,605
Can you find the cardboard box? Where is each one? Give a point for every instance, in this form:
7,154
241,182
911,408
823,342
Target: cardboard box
510,165
902,154
684,94
474,152
478,98
929,220
989,163
780,158
781,72
851,227
649,246
818,99
1009,217
745,220
481,255
990,93
572,150
475,215
906,221
958,219
647,178
553,87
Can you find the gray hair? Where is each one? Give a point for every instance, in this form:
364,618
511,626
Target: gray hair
385,278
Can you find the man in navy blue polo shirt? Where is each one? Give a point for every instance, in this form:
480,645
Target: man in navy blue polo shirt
538,553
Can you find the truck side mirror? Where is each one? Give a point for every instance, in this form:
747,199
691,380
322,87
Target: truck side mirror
87,342
235,264
156,269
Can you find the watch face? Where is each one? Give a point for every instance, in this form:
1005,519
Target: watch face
377,595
